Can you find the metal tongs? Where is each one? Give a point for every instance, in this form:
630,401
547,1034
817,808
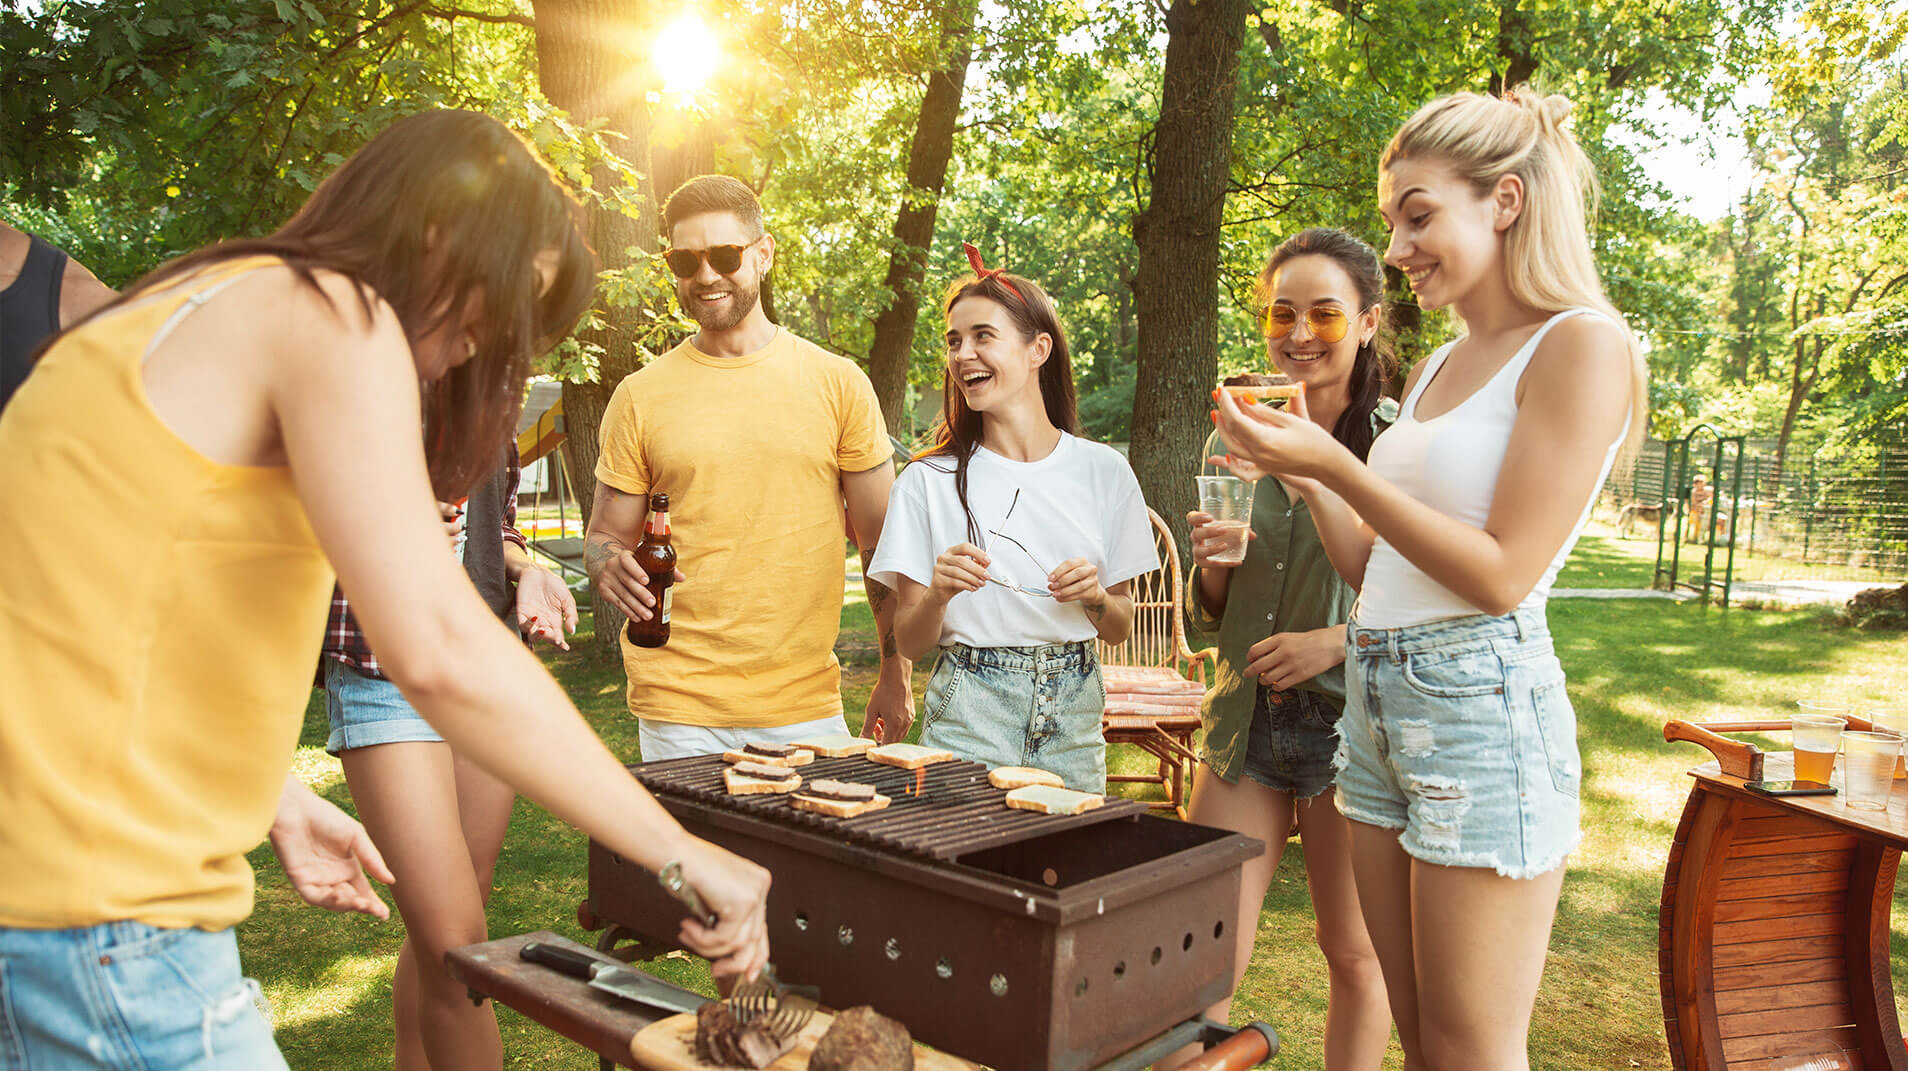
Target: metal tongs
783,1009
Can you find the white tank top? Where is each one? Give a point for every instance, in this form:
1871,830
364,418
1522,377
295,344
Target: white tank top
1450,463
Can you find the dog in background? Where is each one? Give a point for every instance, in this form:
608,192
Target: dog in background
1639,512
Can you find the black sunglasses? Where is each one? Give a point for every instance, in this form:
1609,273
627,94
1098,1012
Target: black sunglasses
685,263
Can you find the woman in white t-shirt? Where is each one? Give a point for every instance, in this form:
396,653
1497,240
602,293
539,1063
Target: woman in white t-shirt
1010,543
1458,761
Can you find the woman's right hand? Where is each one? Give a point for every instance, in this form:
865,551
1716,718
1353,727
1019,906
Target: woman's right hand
961,567
736,891
1207,540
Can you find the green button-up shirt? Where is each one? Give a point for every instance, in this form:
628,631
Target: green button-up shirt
1285,584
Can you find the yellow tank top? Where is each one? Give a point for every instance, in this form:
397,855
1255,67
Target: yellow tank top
160,615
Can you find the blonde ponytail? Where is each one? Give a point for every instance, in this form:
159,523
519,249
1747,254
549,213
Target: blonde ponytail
1547,259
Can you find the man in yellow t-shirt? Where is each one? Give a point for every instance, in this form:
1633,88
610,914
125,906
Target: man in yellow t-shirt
758,438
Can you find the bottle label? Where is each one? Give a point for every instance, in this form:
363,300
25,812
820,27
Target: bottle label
669,594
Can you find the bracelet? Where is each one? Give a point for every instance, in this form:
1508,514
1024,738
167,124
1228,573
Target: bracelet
670,878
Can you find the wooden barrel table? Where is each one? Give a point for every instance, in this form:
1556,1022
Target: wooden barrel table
1773,935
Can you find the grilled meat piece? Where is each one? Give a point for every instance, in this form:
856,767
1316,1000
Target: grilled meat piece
765,772
723,1042
849,791
862,1039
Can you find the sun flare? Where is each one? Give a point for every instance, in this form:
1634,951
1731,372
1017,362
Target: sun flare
685,54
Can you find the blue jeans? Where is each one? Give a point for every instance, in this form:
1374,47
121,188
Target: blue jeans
128,995
1021,706
1458,734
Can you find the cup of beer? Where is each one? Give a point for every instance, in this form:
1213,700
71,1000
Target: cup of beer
1228,499
1817,738
1868,768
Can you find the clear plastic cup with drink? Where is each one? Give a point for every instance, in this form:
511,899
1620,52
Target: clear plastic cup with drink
1891,720
1817,738
1228,500
1868,768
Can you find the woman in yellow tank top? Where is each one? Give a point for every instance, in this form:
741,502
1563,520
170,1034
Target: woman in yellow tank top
187,468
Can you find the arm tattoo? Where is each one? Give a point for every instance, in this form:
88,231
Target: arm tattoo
1095,610
879,595
599,552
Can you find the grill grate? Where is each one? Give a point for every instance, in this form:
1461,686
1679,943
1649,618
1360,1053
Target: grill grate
956,811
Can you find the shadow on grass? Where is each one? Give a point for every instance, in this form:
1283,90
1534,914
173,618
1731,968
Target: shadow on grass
1609,562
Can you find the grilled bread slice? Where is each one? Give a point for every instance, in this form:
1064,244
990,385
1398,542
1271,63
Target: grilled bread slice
771,754
839,746
756,778
835,807
909,756
1012,777
1047,799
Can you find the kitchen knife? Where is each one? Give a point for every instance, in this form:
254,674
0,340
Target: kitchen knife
625,982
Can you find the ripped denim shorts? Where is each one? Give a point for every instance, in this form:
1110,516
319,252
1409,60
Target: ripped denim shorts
129,995
1458,734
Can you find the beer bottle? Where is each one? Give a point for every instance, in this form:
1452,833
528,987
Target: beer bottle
658,559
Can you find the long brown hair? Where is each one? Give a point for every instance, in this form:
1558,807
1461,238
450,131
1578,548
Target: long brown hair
1033,314
442,212
1373,365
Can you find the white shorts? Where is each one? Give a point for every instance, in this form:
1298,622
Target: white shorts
668,740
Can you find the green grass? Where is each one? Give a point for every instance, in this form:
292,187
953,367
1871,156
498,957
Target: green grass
1632,666
1605,560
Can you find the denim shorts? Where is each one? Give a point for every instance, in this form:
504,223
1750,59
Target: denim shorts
1292,741
128,995
367,711
1021,706
1459,734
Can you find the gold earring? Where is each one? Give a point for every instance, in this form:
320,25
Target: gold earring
470,349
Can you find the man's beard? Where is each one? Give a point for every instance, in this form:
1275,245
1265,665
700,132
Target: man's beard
742,301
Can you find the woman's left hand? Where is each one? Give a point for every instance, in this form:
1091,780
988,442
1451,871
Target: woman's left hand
545,608
1268,441
1289,659
1076,580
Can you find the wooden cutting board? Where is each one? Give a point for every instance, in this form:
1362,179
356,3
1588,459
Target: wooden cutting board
671,1046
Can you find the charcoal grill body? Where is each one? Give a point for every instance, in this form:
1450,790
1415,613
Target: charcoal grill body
1058,951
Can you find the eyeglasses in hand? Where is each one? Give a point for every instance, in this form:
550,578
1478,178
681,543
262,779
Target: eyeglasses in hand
1022,547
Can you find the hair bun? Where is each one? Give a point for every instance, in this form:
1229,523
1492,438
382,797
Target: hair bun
1551,110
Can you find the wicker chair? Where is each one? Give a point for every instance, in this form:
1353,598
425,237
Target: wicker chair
1154,681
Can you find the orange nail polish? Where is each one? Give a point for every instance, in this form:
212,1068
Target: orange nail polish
1214,415
1215,395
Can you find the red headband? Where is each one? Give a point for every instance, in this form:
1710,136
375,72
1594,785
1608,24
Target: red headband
974,260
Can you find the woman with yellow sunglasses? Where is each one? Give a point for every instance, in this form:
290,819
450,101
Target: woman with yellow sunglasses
1278,621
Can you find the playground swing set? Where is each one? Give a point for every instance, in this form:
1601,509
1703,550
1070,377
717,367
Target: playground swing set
1682,464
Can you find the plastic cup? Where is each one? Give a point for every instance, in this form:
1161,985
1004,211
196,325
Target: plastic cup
1868,768
1817,737
1892,720
1821,706
1228,500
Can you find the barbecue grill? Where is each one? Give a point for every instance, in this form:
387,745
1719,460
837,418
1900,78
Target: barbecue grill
1016,939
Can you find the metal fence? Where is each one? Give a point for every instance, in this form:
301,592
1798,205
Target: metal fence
1817,516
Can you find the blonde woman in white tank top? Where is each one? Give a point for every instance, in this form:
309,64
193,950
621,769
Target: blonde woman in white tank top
1458,764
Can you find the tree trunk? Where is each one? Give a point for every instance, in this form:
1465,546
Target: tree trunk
578,66
928,156
1176,289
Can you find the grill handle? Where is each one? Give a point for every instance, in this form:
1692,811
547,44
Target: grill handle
568,961
1251,1046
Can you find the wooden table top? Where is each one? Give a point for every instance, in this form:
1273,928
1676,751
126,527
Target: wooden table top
1890,826
590,1017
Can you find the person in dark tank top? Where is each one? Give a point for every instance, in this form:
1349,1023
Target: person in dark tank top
41,291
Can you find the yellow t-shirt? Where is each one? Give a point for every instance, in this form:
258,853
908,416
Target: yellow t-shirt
751,451
162,614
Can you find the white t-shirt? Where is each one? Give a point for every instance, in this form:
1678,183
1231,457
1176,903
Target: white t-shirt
1080,501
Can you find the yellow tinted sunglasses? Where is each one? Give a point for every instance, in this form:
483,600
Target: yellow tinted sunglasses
1328,323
